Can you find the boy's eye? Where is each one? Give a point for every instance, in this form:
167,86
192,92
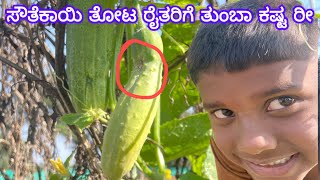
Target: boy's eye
223,113
280,103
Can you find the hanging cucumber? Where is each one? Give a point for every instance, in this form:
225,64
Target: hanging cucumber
91,51
132,118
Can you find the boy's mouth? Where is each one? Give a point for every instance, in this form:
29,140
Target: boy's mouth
277,167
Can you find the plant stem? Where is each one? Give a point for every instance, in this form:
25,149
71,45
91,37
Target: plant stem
144,166
103,120
119,30
156,134
129,35
183,50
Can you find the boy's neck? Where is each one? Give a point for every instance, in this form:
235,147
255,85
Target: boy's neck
313,174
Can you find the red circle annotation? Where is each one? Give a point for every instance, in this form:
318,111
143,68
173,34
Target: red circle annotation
165,65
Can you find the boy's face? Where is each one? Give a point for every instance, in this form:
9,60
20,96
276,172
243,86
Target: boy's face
265,119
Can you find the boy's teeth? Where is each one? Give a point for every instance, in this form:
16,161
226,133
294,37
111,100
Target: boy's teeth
280,161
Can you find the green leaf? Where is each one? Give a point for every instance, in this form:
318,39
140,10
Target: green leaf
181,137
67,162
180,92
157,4
123,71
232,1
179,95
204,164
317,15
157,176
70,118
191,176
81,120
182,33
55,177
182,2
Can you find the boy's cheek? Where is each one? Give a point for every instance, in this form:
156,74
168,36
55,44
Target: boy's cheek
301,132
225,140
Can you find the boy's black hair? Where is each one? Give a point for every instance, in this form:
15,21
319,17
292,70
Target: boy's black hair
236,47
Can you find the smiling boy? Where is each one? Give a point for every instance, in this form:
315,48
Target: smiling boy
259,86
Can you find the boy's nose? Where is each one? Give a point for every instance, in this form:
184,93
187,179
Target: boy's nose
254,138
256,144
